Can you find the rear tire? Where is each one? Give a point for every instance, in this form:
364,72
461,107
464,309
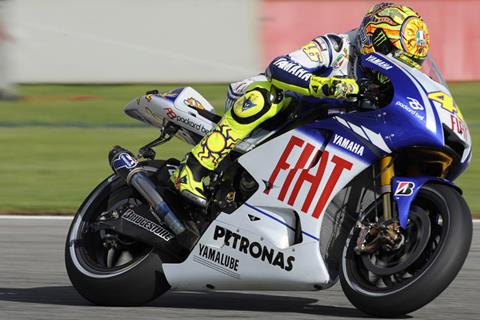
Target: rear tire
135,278
449,241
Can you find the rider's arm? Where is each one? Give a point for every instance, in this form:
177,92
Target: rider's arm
294,71
299,70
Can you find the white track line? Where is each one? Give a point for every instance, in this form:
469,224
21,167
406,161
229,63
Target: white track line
24,217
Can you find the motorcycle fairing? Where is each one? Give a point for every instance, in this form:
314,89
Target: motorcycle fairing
299,173
181,106
420,104
404,191
257,262
268,219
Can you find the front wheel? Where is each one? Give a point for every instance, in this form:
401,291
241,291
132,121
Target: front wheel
437,241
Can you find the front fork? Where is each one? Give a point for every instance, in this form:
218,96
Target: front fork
384,234
387,172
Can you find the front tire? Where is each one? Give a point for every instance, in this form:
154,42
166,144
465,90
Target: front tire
449,232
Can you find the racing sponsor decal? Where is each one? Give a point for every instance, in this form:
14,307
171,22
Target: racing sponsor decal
148,97
404,188
379,62
415,104
313,179
446,102
247,104
153,115
375,138
458,126
196,126
341,58
312,51
170,113
148,225
214,259
348,144
253,248
194,103
410,110
170,94
124,160
293,68
339,61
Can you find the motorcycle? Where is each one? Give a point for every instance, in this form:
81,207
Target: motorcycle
363,196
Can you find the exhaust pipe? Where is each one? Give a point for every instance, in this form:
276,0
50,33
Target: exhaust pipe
126,166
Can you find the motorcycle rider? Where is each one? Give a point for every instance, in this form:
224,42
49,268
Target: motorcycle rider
325,67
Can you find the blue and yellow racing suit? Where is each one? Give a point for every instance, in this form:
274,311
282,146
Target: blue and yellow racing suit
330,55
323,67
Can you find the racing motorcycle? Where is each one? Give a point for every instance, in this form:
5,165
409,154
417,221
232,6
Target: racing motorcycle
363,195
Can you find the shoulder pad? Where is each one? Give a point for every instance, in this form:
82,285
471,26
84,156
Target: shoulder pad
337,42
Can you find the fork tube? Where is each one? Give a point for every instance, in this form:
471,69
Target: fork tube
386,174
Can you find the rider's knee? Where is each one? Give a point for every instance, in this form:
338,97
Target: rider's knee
252,107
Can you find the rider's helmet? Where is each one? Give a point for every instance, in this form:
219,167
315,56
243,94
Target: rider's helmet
396,29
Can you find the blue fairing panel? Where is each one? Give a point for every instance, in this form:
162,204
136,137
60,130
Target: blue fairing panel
405,190
410,119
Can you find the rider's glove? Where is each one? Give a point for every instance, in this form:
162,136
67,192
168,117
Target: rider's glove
338,88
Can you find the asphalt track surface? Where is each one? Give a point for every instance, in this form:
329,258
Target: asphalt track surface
34,285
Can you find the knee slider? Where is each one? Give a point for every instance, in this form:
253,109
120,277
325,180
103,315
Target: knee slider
251,106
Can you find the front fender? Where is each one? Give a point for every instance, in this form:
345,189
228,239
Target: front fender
405,190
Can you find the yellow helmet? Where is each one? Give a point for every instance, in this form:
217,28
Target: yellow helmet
393,28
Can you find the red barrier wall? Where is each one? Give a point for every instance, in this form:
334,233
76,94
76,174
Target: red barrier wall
454,27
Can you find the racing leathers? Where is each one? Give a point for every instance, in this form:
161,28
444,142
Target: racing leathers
325,67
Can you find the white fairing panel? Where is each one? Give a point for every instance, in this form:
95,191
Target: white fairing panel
231,256
299,176
179,107
254,247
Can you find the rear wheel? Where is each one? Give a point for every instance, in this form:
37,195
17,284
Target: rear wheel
107,268
395,282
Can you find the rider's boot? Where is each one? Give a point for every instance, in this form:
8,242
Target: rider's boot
188,179
250,110
202,160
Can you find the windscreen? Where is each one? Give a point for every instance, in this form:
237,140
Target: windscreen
430,68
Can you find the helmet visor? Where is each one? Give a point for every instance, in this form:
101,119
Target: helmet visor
408,59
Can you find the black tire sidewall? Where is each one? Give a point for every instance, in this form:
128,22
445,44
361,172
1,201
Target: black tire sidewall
138,285
436,277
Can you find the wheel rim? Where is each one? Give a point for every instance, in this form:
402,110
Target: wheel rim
380,273
86,246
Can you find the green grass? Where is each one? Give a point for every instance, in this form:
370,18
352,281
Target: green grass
54,143
467,96
62,104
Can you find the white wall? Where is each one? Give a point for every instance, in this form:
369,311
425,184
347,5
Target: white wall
80,41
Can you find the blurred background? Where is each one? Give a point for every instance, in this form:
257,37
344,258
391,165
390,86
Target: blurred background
68,67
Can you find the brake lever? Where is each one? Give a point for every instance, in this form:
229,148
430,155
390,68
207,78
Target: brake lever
368,97
367,104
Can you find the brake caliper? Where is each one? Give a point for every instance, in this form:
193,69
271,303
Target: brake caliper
373,236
